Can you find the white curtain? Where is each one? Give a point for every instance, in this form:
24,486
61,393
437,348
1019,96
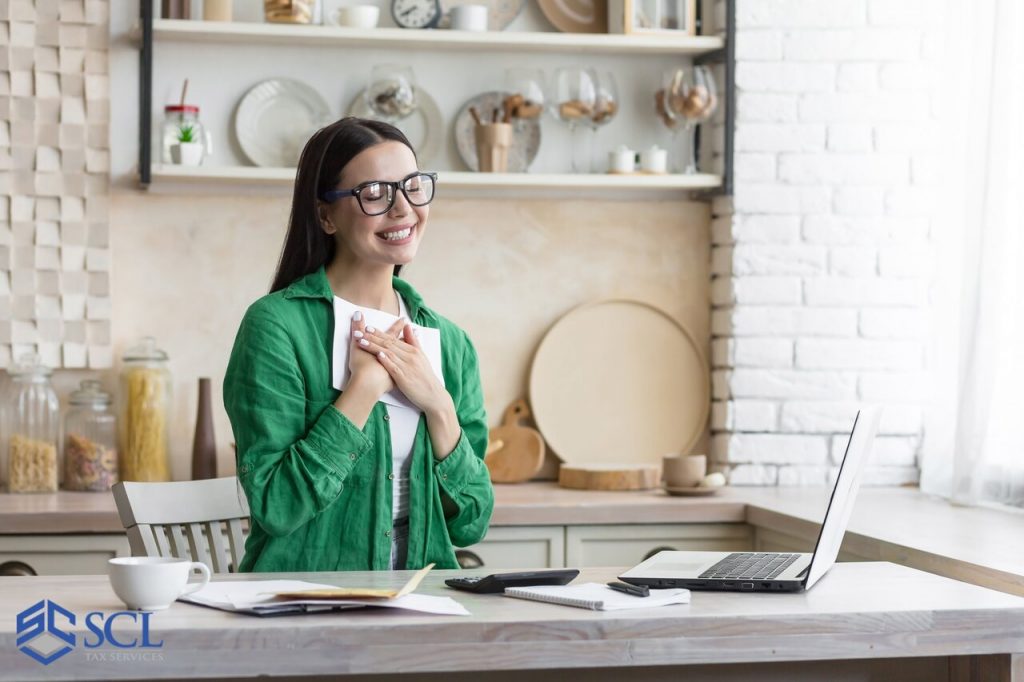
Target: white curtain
974,440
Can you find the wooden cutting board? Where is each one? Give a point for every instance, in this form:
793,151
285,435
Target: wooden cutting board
619,382
515,453
609,477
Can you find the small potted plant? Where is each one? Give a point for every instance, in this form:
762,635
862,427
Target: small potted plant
188,151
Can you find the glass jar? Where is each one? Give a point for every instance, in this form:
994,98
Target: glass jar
289,11
90,440
32,423
145,400
178,117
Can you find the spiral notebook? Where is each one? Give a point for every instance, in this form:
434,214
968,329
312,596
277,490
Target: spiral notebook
598,597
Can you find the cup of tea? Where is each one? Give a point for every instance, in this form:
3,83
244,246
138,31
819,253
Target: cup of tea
683,471
153,583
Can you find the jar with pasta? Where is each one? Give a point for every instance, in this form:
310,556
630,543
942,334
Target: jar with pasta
90,440
145,399
31,426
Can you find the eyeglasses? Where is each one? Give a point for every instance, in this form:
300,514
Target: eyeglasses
378,196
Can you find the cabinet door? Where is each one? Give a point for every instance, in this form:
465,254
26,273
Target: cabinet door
628,545
521,547
60,554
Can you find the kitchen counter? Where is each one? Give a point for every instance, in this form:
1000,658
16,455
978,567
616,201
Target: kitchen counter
977,544
860,617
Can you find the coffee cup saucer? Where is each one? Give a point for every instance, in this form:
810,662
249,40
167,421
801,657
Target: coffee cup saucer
691,491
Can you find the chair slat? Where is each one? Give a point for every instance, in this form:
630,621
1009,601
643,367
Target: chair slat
236,541
217,554
178,545
197,544
160,535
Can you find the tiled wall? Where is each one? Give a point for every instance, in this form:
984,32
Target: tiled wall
819,260
54,187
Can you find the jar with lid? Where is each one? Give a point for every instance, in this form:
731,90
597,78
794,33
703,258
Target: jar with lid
145,400
90,440
31,427
179,118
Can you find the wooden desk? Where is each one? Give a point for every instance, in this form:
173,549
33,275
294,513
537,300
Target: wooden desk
862,621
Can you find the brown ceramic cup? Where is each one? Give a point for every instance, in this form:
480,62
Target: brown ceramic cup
683,471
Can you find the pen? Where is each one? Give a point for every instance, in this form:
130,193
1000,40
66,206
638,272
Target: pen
635,590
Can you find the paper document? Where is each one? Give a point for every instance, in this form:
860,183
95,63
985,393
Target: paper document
429,338
257,597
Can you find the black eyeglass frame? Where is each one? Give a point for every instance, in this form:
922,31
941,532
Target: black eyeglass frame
396,185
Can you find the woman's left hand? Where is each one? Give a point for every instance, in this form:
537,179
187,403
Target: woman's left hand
405,361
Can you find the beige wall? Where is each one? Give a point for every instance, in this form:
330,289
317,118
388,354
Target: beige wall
185,269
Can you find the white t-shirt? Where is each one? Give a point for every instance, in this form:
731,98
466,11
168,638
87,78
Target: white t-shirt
402,422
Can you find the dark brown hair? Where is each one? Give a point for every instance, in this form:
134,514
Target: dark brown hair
328,151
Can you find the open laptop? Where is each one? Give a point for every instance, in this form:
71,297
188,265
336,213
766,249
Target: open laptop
771,571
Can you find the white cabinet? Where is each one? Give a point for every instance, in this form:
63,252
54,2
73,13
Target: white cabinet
82,554
628,545
522,547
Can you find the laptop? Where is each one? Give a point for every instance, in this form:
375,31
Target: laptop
771,571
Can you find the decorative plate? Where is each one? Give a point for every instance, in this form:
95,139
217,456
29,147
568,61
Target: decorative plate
576,16
501,13
525,136
275,118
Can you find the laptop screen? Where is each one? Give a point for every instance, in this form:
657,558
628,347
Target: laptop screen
840,506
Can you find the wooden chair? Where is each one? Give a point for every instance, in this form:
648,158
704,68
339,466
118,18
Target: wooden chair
184,519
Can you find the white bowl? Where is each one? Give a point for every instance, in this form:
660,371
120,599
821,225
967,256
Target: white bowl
356,16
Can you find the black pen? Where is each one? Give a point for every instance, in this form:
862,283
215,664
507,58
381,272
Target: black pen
635,590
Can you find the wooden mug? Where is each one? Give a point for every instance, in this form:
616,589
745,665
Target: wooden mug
492,144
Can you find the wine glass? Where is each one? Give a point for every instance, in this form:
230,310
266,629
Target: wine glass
574,98
606,102
391,94
666,100
527,87
699,102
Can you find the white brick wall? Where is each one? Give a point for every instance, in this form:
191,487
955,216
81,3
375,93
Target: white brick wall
820,258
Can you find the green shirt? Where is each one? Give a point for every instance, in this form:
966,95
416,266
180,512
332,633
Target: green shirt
318,487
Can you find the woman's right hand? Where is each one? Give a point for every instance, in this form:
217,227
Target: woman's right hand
365,367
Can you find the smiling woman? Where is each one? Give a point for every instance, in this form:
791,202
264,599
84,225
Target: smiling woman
388,472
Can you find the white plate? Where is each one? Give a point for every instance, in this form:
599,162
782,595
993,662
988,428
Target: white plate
424,127
525,133
275,118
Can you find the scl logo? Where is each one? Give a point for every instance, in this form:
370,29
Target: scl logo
39,634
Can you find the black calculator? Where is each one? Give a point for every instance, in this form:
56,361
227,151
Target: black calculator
497,582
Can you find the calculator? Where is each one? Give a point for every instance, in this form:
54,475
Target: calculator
497,582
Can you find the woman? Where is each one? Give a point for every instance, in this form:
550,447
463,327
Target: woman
343,481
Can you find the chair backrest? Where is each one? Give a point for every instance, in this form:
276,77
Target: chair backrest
185,519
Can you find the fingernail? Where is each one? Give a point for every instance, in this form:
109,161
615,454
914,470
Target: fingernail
382,356
364,342
369,329
358,315
358,334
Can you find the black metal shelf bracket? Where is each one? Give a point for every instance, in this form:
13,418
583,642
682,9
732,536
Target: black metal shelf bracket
146,93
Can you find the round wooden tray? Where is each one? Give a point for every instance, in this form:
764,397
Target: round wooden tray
619,382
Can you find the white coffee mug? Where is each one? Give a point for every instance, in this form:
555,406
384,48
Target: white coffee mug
469,17
356,16
153,583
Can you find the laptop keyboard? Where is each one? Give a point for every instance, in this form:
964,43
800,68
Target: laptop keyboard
751,566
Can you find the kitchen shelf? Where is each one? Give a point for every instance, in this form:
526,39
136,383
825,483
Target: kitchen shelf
457,183
287,34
